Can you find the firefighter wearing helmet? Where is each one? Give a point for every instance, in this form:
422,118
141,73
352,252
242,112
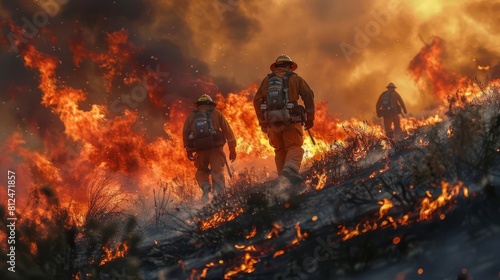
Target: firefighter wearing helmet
389,106
281,117
205,133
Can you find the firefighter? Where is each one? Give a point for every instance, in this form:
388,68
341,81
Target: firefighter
389,106
205,133
282,126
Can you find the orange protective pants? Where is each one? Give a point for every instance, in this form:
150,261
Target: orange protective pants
287,142
389,120
210,162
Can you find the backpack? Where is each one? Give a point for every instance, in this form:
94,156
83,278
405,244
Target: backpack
276,108
387,104
203,136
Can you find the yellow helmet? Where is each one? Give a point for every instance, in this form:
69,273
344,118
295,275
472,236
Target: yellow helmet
282,59
391,85
205,99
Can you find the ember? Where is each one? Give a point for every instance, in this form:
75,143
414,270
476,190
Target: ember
110,254
428,207
92,112
218,218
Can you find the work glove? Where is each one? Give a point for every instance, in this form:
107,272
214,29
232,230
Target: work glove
232,154
263,128
308,124
190,155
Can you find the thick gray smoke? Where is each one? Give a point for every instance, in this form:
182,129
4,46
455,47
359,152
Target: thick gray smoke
348,51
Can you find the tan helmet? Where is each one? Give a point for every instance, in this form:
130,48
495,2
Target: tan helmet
391,85
281,59
205,99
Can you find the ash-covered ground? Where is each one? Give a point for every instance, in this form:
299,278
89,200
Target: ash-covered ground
403,212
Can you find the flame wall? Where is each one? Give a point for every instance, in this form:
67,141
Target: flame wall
68,80
231,43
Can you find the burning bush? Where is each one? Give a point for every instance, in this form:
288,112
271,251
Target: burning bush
466,146
53,243
345,157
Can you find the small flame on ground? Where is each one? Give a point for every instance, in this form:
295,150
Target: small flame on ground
278,253
252,233
219,218
274,231
300,235
385,206
427,208
247,266
119,252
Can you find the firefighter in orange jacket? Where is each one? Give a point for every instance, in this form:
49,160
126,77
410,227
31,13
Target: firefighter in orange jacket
207,152
285,135
389,106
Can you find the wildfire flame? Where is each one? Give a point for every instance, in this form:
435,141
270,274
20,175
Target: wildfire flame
110,254
300,235
430,73
219,218
385,206
247,266
251,233
274,231
428,207
109,143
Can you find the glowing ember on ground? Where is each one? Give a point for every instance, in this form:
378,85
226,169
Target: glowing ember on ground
219,218
274,231
427,209
119,252
252,233
247,266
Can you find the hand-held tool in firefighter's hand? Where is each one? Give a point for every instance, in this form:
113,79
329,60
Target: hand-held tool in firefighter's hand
232,154
227,166
310,135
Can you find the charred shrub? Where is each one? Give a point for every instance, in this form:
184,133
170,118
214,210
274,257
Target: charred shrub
344,158
229,217
54,242
45,239
465,148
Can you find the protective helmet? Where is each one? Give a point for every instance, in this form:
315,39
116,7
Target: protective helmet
391,85
205,99
283,58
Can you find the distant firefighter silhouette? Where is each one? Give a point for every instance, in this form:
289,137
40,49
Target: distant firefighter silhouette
389,106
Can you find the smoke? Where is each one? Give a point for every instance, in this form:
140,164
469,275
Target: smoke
347,51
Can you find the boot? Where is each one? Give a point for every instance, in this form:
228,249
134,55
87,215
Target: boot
206,190
218,182
218,190
292,176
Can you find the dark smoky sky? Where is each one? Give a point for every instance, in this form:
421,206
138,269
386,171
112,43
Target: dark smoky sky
347,51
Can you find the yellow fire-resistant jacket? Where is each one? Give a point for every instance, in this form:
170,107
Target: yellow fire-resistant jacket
218,122
297,87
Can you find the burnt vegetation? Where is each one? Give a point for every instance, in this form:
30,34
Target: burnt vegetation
54,244
265,229
455,161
